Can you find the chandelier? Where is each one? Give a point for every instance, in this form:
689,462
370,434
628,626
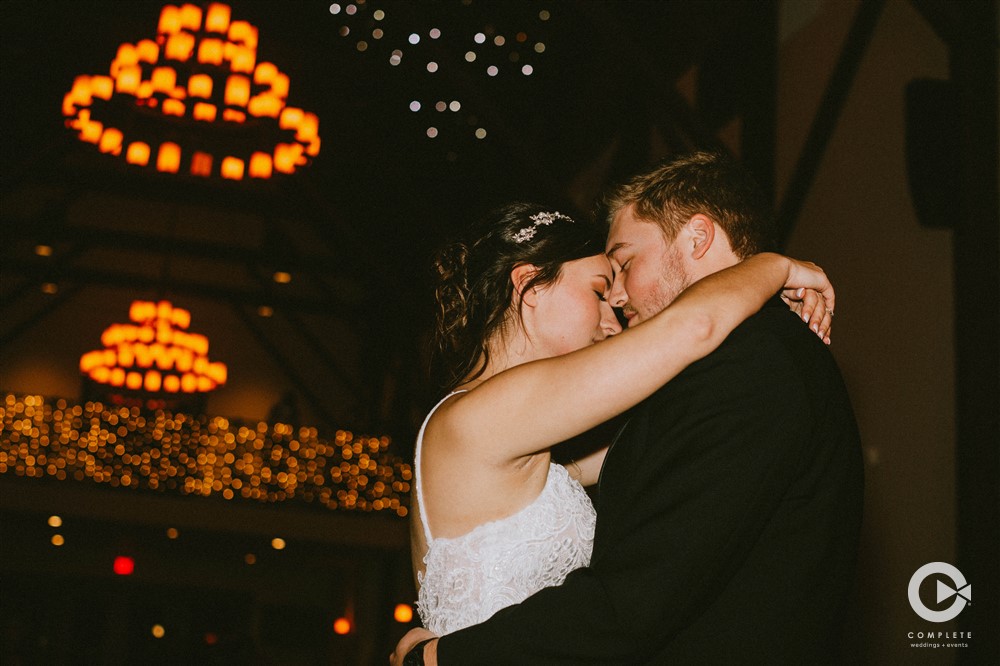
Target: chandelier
194,100
154,353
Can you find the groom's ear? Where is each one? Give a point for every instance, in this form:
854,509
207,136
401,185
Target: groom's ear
520,277
700,231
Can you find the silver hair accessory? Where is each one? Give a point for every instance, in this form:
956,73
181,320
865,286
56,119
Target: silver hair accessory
538,219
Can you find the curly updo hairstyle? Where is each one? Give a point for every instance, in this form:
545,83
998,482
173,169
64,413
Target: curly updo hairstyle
473,279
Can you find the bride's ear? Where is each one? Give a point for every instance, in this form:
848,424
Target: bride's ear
520,277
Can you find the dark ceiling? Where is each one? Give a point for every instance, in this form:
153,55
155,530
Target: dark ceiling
601,100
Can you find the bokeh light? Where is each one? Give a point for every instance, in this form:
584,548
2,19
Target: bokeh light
403,613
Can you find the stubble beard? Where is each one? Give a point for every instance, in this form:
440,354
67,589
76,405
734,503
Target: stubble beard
673,280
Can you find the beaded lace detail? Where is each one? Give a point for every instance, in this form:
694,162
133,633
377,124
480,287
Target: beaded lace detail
469,578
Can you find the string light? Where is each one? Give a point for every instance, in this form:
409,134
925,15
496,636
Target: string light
515,51
123,447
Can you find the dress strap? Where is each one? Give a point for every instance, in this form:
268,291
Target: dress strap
416,464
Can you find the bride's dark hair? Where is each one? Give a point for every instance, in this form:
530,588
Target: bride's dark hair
473,279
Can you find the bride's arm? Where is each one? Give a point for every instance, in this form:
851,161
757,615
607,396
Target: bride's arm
530,407
587,469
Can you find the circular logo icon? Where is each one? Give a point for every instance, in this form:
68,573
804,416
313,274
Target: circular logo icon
960,589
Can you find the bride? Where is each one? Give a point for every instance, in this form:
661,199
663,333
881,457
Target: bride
521,302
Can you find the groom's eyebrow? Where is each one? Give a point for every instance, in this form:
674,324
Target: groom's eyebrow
614,248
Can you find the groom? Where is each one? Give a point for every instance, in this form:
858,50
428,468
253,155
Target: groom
730,504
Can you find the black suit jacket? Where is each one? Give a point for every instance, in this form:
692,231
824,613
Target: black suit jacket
727,522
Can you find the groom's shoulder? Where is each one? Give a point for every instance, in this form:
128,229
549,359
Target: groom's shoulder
755,352
774,327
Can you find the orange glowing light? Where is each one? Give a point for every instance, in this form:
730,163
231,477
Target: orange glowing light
133,380
147,51
169,158
237,90
260,165
170,20
153,381
290,118
191,17
91,131
243,32
111,141
285,156
210,52
242,59
128,79
341,626
265,73
264,105
217,18
173,107
154,353
280,85
201,164
200,85
232,168
127,55
164,79
203,111
180,46
403,613
102,86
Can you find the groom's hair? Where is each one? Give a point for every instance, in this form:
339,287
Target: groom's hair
711,184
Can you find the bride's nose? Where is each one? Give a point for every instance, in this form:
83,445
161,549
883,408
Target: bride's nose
609,321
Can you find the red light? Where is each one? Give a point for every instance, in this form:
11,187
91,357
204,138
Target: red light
124,566
342,626
211,638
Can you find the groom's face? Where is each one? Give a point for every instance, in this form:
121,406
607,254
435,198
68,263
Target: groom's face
649,269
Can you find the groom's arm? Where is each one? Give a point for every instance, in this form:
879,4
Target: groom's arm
719,458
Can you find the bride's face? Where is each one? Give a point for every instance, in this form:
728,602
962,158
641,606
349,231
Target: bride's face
573,312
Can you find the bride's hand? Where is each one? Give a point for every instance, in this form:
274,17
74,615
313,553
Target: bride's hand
810,295
408,642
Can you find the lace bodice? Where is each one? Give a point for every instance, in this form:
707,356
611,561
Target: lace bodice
469,578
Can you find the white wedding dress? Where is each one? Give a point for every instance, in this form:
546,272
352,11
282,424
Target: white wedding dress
469,578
